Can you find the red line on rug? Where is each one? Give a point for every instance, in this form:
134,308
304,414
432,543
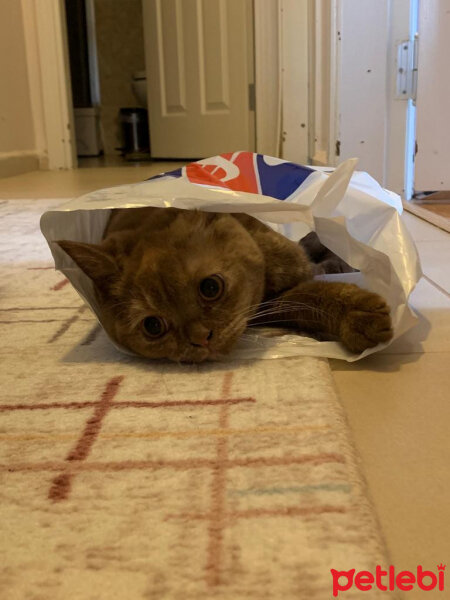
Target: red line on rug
283,511
94,424
65,326
287,511
218,487
191,403
125,465
126,404
50,405
226,384
275,461
60,285
91,336
217,512
61,485
31,321
17,308
180,464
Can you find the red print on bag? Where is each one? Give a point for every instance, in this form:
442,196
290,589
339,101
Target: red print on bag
232,171
388,580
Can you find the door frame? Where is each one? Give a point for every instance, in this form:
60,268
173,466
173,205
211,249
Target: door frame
267,53
324,81
50,88
49,71
49,80
282,77
389,147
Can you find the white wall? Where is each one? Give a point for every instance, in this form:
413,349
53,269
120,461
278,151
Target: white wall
17,138
36,120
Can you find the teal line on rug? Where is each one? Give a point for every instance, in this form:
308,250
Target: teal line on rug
325,487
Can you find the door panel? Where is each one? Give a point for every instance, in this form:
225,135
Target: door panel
170,56
432,170
213,57
198,76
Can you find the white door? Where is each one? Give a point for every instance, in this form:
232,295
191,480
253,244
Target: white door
199,57
373,121
432,169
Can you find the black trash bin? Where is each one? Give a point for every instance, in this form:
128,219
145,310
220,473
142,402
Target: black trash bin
136,143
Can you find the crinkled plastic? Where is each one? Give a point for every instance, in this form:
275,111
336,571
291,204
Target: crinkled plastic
351,213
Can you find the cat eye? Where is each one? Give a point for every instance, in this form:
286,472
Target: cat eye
212,287
154,327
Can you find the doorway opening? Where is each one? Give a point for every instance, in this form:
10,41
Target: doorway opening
201,66
109,90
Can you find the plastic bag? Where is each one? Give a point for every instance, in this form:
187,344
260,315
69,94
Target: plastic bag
352,215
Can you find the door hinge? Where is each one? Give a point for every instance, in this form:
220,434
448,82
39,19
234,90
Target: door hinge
251,97
337,150
407,61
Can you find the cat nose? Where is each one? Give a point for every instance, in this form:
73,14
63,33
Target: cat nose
201,337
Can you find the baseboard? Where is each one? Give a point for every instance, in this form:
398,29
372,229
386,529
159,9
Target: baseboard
16,163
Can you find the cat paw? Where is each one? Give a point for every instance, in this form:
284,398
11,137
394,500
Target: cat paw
366,323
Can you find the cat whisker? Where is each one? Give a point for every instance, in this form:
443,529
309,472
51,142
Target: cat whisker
235,324
297,306
271,322
273,306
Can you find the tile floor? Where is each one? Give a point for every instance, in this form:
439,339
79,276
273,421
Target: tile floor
71,183
398,406
397,402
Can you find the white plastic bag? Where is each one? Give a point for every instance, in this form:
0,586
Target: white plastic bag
352,215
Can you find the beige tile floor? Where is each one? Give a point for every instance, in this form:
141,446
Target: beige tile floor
71,183
398,407
397,402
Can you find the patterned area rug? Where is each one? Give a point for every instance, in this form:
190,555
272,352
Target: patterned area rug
123,479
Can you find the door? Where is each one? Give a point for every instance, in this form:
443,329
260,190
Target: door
373,121
199,57
432,170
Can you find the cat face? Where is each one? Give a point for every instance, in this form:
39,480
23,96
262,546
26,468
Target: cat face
184,292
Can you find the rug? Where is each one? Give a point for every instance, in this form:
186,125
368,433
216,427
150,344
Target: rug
125,479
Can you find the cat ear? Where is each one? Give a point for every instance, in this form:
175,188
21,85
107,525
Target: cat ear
93,260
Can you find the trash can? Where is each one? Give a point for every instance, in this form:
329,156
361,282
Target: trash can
136,143
87,131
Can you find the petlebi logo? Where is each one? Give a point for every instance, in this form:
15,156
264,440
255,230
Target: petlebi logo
388,580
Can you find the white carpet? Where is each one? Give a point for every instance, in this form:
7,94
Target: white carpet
125,479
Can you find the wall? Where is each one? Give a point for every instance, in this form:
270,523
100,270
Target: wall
120,47
17,138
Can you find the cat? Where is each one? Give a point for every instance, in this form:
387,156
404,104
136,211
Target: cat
324,260
184,285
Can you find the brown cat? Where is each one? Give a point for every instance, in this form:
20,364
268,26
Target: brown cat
184,285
